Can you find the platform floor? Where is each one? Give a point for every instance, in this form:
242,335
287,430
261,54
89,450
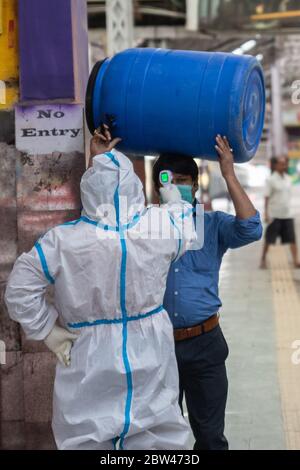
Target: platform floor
260,318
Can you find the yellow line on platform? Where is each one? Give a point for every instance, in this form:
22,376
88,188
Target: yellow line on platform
278,15
287,318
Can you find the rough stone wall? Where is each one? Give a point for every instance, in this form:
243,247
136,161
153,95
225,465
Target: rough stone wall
36,193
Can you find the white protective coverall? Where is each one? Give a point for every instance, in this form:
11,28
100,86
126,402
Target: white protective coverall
109,272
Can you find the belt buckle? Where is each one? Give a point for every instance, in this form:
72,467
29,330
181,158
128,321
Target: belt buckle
189,330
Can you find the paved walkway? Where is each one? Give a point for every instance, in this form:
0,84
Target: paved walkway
254,416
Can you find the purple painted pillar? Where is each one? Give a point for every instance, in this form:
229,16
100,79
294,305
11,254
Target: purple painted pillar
53,50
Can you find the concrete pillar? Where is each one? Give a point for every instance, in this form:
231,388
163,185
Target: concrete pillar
49,117
277,125
119,25
120,36
40,186
11,383
192,15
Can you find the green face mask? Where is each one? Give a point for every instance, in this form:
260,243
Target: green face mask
186,192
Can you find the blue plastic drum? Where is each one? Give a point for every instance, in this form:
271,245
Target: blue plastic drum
161,100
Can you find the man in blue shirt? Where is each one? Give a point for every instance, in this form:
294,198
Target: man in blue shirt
192,296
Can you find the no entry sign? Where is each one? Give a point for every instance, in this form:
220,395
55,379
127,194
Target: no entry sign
42,129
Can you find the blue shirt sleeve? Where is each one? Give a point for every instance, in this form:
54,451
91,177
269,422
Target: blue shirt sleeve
235,233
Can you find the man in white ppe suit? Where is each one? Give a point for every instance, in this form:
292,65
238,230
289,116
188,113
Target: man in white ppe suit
116,383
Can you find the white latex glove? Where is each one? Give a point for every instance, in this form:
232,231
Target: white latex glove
60,341
170,194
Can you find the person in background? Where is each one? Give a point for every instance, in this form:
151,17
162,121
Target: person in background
192,296
278,210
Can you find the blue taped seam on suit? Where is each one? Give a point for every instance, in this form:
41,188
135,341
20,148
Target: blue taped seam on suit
140,316
191,210
113,158
179,240
44,262
124,330
134,221
124,349
99,224
103,321
124,313
71,222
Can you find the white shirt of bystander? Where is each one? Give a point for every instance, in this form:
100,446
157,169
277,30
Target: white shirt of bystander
279,191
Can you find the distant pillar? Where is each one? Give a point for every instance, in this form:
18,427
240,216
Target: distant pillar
192,15
120,36
119,25
277,124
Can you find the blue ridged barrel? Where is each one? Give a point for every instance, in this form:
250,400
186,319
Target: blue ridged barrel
160,100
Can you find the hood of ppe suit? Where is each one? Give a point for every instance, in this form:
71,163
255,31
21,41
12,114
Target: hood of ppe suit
110,191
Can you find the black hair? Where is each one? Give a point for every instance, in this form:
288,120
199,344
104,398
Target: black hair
177,163
273,163
275,160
